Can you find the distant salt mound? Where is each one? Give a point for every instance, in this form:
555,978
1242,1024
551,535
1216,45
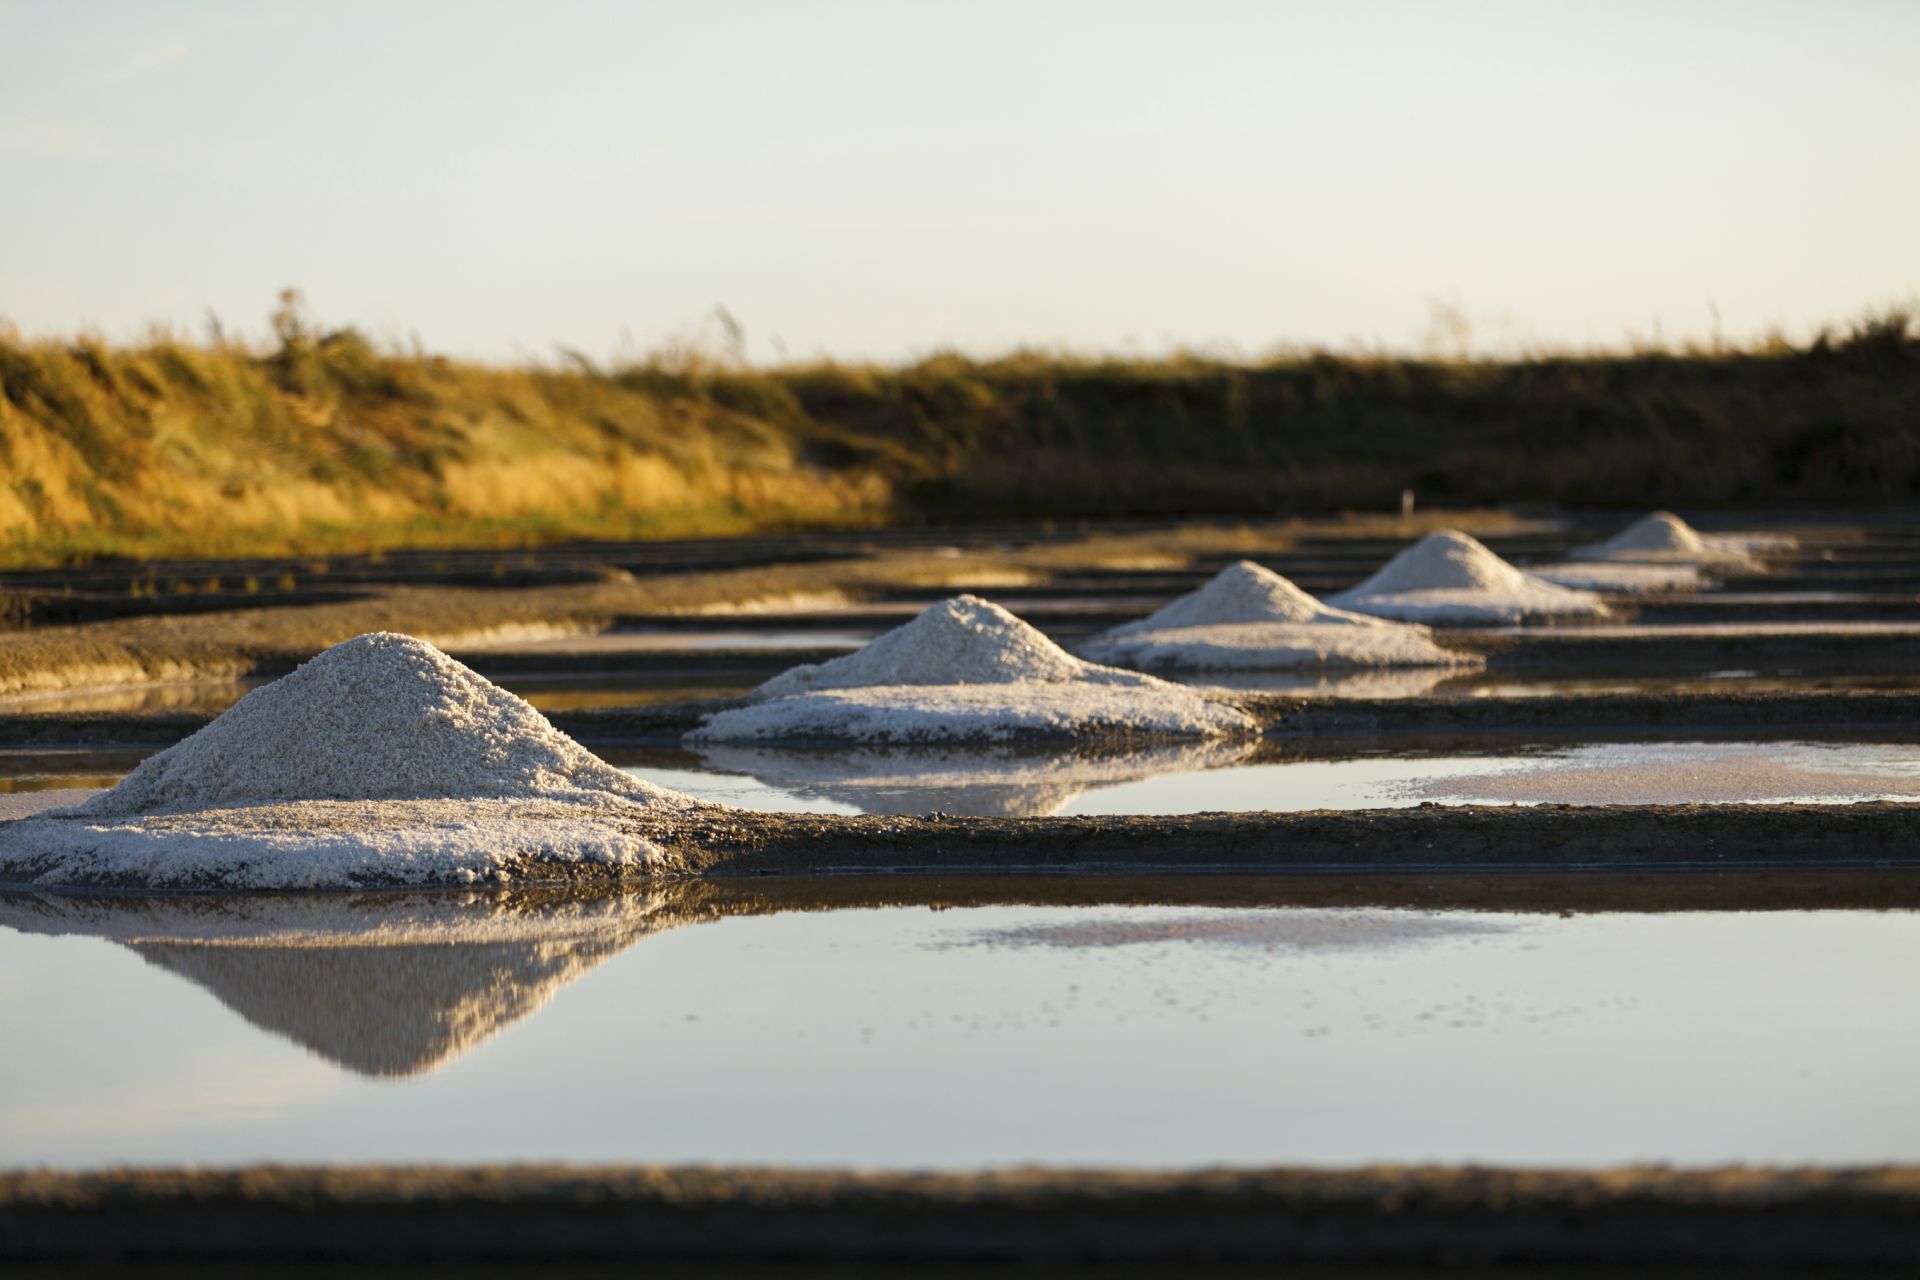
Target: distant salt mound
1451,578
1249,618
381,761
1664,538
966,670
1243,592
965,640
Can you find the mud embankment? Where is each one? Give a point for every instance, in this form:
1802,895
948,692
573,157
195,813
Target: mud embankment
1382,1215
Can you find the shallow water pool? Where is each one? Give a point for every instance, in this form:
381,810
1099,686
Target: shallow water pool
1241,777
1187,777
649,1029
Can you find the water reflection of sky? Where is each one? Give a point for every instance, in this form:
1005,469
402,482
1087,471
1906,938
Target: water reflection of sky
904,1037
1194,777
1202,778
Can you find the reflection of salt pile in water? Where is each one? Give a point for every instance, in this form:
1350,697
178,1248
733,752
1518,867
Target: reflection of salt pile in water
1665,539
385,985
381,761
982,782
1449,577
1290,930
966,670
1336,682
1250,618
1620,579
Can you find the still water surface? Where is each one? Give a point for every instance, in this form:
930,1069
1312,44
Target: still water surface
1187,778
641,1029
1237,777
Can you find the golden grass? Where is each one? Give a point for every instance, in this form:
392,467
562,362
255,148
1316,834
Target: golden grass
325,445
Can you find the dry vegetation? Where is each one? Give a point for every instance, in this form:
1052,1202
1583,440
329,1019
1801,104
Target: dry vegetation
325,443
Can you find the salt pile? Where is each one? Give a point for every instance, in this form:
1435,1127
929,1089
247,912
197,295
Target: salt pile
1248,617
966,670
1665,539
381,761
1450,578
1243,592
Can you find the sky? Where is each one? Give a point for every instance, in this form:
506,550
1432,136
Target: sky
884,180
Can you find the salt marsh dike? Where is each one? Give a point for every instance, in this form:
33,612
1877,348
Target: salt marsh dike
1395,1218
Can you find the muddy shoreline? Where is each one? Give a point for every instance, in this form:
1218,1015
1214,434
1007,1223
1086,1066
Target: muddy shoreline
1379,1215
1296,719
1430,840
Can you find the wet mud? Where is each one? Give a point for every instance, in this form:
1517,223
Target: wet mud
1381,1215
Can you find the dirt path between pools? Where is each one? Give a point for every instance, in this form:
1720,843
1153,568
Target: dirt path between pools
712,841
1383,1215
1294,727
241,642
237,642
1428,839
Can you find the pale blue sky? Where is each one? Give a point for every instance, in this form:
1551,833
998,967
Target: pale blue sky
884,179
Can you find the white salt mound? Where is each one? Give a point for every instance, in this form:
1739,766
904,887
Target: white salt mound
1664,538
1249,618
382,760
1244,592
966,670
1451,578
965,640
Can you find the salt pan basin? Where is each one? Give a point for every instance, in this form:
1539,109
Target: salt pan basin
1249,618
981,1036
966,670
382,761
1217,778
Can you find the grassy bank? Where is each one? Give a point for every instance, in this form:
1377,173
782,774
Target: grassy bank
327,444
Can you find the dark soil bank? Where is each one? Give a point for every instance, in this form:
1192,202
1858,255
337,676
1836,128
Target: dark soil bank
1382,1215
1431,838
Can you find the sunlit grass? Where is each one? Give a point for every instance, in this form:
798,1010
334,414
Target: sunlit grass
326,444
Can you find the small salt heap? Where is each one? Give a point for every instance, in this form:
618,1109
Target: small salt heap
1665,539
381,761
1243,592
1249,618
966,670
1451,578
